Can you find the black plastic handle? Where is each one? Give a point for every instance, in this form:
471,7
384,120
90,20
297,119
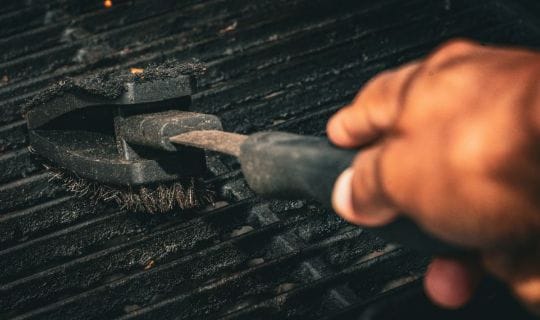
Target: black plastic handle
290,166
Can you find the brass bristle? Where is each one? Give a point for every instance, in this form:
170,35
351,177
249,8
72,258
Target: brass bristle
186,193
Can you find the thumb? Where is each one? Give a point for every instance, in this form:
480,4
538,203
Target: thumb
358,196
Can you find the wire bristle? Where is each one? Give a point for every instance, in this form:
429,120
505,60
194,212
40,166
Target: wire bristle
185,194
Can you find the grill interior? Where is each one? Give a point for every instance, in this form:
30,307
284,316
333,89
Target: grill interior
284,65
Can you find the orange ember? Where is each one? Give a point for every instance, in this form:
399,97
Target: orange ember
107,3
136,70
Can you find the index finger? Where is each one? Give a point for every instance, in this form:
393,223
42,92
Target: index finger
374,110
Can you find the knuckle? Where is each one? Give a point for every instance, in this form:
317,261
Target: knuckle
529,292
458,46
468,156
479,151
451,49
520,273
335,120
372,89
379,99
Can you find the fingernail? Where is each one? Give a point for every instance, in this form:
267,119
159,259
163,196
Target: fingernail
342,202
342,195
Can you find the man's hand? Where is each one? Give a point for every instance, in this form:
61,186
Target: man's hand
453,141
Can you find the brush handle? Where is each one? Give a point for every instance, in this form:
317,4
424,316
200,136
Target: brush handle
289,166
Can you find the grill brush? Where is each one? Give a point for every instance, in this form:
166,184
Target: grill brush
99,135
141,148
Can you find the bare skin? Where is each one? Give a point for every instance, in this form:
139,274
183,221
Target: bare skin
454,142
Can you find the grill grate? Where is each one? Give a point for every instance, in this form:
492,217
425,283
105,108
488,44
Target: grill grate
284,65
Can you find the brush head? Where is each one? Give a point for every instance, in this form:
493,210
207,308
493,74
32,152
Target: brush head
183,194
109,132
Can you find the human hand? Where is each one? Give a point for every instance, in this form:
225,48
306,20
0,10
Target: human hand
452,141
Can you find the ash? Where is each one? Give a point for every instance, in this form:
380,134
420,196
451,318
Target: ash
110,84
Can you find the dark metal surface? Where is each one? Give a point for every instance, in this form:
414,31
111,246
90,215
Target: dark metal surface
284,65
